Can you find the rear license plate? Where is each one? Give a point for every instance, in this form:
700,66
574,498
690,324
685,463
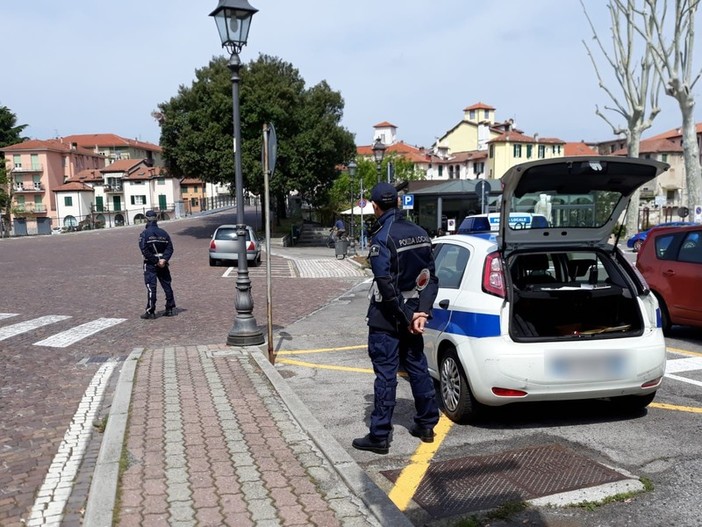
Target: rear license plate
587,366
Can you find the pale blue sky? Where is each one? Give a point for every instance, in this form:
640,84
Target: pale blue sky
92,66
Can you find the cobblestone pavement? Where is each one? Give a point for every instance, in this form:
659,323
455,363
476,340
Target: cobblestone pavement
79,278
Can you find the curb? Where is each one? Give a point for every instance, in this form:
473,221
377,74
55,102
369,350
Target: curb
355,478
103,487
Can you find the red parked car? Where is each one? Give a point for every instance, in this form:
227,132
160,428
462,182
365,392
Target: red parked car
671,262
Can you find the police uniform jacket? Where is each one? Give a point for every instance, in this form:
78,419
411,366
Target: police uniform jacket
403,268
155,243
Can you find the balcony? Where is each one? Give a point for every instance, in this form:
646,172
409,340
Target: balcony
34,168
21,188
29,208
112,188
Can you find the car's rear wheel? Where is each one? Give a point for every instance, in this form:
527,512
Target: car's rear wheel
637,245
458,401
665,316
633,403
256,261
213,262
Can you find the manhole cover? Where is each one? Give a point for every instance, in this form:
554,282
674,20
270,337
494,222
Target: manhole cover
470,484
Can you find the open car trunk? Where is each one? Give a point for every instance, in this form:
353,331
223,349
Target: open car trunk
571,295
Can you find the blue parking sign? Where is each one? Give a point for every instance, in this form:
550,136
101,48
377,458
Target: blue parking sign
408,201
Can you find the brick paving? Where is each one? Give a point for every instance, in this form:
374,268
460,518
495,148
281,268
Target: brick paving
210,442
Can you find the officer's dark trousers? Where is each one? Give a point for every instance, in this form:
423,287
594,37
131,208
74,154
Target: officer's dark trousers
163,275
387,353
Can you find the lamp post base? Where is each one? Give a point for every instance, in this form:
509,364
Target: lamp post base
245,332
245,336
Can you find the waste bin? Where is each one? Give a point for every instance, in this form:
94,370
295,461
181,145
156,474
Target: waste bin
341,247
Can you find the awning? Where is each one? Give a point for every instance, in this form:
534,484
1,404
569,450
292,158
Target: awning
367,210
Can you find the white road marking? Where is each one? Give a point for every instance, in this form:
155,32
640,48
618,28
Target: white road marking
58,484
683,365
688,364
683,379
23,327
73,335
7,315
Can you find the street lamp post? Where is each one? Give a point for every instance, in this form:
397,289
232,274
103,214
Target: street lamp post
233,19
379,153
352,177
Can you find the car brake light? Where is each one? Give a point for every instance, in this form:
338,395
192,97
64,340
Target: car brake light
507,392
213,245
250,246
493,276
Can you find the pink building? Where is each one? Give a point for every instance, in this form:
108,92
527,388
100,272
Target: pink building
35,169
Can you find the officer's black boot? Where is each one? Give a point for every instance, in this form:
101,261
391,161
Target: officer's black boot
371,443
169,312
148,315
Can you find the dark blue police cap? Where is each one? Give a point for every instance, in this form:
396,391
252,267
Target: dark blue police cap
385,195
150,215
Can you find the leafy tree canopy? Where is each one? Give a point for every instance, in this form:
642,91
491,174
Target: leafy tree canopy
197,127
346,187
10,131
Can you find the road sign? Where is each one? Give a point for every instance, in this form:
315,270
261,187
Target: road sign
362,203
408,201
272,147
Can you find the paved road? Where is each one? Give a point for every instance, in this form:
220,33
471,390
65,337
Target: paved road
70,305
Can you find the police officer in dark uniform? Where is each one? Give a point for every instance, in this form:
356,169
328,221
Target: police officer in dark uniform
401,299
157,248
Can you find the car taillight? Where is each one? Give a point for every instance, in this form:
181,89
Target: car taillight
493,276
212,244
251,246
508,392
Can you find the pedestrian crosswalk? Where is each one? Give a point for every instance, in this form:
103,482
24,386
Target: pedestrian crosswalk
61,339
302,268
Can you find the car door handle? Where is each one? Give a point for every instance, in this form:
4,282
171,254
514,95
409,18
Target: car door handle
444,304
669,272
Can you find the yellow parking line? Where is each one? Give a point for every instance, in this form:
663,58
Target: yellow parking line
323,366
684,352
321,350
665,406
411,476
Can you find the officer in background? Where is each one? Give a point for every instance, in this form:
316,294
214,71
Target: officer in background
401,298
156,247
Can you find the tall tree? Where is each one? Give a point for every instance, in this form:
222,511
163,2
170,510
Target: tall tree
632,62
673,45
196,129
10,134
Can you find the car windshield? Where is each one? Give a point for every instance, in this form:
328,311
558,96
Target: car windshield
584,210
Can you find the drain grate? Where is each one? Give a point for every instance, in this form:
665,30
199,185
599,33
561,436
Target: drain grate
477,483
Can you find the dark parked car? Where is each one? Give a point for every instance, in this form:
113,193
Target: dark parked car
671,262
223,245
636,241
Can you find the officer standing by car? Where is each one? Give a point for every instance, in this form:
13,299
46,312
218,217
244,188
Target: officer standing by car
156,248
401,298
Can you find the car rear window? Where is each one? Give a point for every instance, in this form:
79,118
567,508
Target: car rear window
691,248
665,247
450,262
229,234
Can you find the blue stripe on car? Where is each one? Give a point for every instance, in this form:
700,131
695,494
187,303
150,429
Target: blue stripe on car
464,323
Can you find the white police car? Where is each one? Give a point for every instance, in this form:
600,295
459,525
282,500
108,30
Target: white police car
548,313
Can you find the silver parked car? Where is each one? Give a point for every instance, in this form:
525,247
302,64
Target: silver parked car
224,245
